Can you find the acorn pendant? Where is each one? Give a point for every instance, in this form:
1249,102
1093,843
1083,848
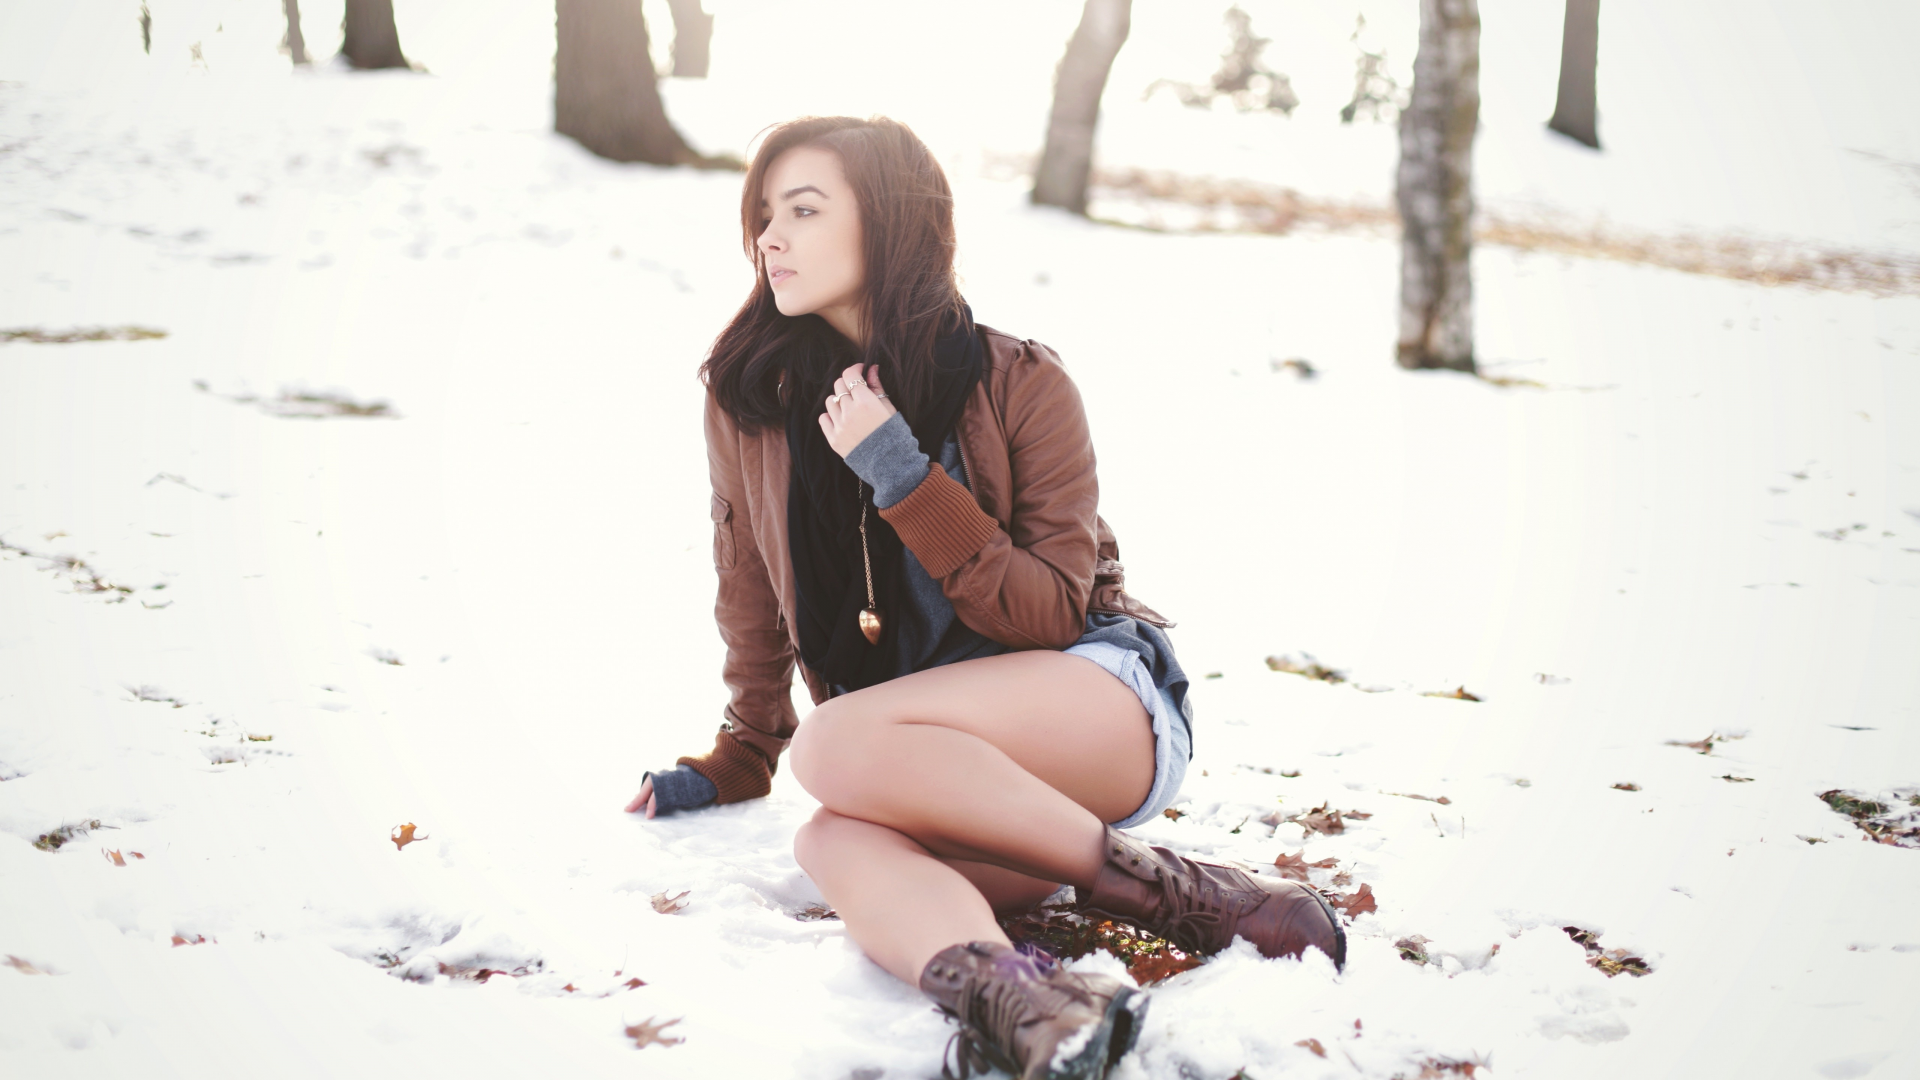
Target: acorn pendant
870,625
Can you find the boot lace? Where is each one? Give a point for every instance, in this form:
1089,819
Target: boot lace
992,1011
1196,914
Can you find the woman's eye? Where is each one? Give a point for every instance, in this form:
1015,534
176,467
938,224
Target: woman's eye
803,211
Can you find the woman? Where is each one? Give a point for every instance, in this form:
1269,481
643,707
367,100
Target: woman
905,502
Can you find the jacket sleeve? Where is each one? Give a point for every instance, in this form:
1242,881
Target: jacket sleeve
1025,585
758,671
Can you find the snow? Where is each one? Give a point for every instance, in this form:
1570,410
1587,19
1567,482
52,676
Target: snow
1671,529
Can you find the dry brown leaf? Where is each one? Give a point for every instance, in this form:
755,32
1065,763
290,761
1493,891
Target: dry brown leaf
1153,967
197,939
24,967
647,1033
1313,1045
1413,950
1343,879
403,835
634,983
136,855
1625,786
113,856
1320,820
1356,903
667,905
1459,693
1173,813
1295,867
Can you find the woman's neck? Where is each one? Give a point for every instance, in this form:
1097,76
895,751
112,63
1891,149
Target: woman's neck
848,321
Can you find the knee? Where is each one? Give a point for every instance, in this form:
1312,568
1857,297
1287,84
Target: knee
827,748
813,837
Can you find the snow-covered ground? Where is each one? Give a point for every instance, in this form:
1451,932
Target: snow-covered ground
486,612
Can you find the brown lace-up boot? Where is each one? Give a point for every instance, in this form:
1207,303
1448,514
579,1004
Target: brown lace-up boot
1199,907
1037,1022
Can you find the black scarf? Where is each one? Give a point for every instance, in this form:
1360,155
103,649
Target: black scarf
824,498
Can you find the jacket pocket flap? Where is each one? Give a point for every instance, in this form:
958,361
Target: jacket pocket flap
720,510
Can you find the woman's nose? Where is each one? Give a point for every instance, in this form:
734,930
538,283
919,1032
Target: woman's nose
769,242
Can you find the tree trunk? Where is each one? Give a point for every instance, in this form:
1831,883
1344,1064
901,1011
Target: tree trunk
1061,179
606,95
692,35
1434,188
1573,110
368,38
296,41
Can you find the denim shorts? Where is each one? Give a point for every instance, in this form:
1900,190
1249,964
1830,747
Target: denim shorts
1172,742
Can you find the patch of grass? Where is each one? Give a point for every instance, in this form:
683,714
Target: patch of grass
55,839
1306,665
1211,204
1895,822
33,335
307,404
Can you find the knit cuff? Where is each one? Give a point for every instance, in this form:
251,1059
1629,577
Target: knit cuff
941,524
681,788
738,771
890,461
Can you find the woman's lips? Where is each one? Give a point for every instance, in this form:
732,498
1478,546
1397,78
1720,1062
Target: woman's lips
777,274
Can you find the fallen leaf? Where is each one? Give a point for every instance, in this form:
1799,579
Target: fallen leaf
136,855
197,939
1154,967
1313,1045
667,905
815,913
113,856
1357,903
1626,787
634,983
1609,962
1343,879
1442,800
647,1033
1704,746
1458,693
1732,779
1173,813
570,988
1413,950
24,967
403,835
1295,867
1320,820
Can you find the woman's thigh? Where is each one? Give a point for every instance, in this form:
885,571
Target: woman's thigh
1061,718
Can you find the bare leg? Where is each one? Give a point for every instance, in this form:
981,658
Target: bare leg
1011,761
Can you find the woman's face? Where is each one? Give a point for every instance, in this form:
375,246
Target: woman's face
812,242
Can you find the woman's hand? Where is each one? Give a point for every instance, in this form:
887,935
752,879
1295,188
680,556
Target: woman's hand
645,798
859,405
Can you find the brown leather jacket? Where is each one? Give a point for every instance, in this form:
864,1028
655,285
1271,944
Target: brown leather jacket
1022,557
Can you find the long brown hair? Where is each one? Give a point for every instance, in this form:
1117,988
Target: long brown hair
906,222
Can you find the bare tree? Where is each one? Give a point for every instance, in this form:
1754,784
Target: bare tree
1061,179
368,37
296,42
606,95
692,36
1573,110
1434,189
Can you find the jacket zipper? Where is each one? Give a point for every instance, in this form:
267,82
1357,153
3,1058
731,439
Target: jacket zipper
964,471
